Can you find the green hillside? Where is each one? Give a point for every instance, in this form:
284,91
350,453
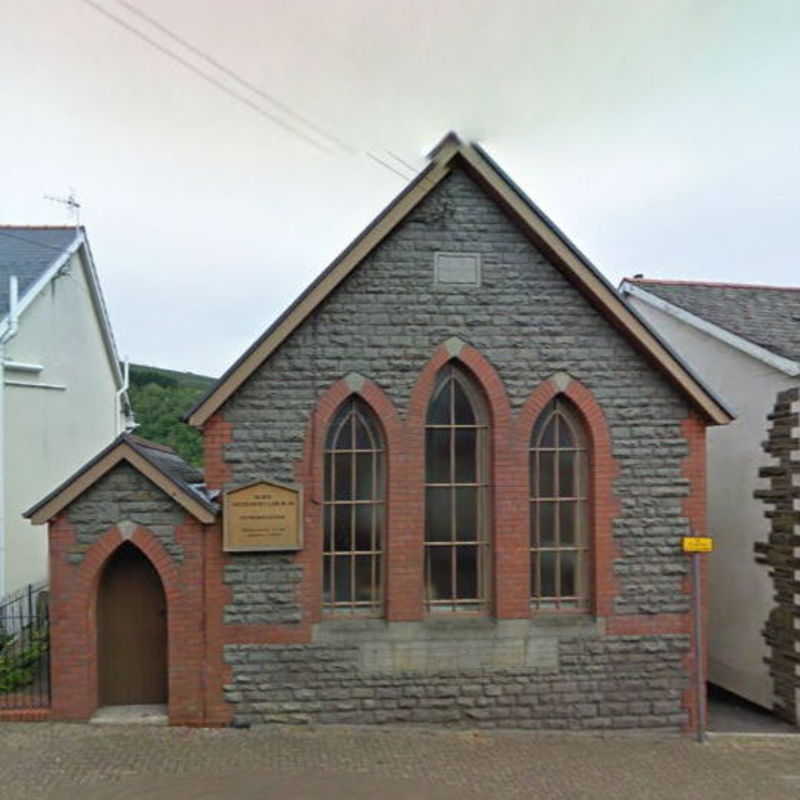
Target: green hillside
160,397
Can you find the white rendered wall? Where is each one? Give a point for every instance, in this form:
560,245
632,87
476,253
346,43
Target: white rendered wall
741,591
50,433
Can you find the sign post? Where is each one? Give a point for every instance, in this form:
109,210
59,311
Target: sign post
696,546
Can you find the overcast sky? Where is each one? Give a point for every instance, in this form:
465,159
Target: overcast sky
662,137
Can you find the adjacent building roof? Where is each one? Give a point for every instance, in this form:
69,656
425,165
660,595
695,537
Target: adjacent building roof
450,153
159,464
767,316
27,252
35,254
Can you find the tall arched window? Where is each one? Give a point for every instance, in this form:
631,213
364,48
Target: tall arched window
355,481
559,510
456,495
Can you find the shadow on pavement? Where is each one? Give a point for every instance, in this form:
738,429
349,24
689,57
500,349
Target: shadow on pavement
729,713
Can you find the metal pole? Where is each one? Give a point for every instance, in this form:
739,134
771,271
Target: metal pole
698,648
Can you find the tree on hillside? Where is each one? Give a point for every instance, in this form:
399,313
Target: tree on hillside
159,399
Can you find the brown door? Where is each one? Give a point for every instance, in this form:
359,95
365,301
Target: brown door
131,631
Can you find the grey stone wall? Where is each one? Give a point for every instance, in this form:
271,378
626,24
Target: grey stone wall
263,589
385,322
622,682
124,494
781,551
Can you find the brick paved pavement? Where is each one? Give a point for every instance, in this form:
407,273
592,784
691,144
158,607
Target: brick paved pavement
84,762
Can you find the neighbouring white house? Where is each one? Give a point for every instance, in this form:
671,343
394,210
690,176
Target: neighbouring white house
62,390
744,341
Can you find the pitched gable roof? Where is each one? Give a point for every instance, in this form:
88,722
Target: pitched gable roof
160,465
767,316
448,154
27,252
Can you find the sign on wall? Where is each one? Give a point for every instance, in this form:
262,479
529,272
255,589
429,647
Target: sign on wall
263,516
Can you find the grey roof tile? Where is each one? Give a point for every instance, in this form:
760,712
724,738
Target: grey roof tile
764,315
27,252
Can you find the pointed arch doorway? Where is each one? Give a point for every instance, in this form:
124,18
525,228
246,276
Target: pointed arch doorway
131,631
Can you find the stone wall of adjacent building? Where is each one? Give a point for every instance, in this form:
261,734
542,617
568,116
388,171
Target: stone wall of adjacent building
124,494
781,551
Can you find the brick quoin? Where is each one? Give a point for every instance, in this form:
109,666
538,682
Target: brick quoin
694,508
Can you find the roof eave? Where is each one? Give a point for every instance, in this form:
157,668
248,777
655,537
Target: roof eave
788,366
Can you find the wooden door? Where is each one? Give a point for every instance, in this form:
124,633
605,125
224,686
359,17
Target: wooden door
131,631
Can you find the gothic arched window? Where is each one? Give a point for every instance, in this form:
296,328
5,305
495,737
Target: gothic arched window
559,510
457,513
354,513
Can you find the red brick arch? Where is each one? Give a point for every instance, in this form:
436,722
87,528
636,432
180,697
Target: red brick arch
502,477
74,627
603,470
310,473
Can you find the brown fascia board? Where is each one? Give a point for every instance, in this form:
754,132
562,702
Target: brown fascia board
87,476
534,224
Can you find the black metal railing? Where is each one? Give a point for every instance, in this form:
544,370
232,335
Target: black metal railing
25,648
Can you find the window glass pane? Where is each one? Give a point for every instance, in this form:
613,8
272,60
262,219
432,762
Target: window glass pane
466,502
439,570
534,512
467,572
566,513
547,561
581,474
462,408
363,532
327,588
341,515
566,474
565,437
535,584
438,520
328,527
344,439
549,436
465,440
343,476
364,438
379,522
364,485
363,577
328,476
547,524
547,466
568,572
439,409
437,455
342,579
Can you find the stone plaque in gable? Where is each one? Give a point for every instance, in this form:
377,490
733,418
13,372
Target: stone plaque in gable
260,516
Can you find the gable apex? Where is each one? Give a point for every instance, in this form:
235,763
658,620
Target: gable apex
445,156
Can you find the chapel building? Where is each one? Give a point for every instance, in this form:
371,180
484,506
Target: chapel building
448,485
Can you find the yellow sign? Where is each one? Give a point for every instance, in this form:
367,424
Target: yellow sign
698,544
263,516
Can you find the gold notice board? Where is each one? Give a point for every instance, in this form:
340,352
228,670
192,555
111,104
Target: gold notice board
263,516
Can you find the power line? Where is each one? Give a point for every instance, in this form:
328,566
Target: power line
205,76
400,161
234,75
236,95
388,166
258,90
